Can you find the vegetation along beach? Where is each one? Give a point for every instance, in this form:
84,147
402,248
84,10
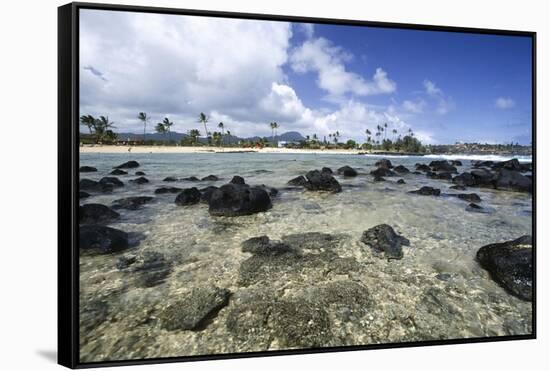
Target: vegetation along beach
299,186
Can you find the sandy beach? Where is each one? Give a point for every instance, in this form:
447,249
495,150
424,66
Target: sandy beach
182,149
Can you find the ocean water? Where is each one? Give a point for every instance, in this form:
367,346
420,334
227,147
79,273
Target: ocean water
437,291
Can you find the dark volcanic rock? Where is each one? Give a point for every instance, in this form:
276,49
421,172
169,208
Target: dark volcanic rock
311,241
125,261
118,172
422,167
140,173
131,203
512,164
96,214
464,179
455,162
206,193
238,199
195,308
112,180
442,165
263,246
140,180
470,197
83,194
427,191
151,270
347,171
525,167
101,239
88,185
188,196
170,179
479,163
382,171
318,181
190,179
378,178
210,178
444,175
512,181
299,181
384,239
458,187
401,169
510,264
326,170
128,165
237,180
87,169
164,190
401,181
474,208
383,163
482,177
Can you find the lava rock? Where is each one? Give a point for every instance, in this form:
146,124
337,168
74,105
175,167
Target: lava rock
131,203
455,162
82,194
140,180
206,193
237,180
458,187
118,172
140,173
326,170
401,181
470,197
422,167
347,171
238,199
190,179
299,181
151,270
194,308
125,262
512,181
510,264
512,164
378,179
88,185
112,180
96,214
263,246
400,169
482,177
188,196
465,179
101,239
383,163
87,169
170,179
382,171
383,238
442,165
128,165
319,181
164,190
210,178
427,191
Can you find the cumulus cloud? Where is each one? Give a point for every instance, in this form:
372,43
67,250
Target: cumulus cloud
444,103
328,61
504,103
414,106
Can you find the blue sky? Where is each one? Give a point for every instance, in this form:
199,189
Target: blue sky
446,87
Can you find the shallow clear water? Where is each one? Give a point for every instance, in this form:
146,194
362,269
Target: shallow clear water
411,300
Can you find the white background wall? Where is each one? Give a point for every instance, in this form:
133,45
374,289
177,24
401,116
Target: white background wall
28,182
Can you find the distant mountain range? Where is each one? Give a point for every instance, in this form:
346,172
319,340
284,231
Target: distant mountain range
289,136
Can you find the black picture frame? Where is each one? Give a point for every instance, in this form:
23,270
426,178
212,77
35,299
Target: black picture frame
68,174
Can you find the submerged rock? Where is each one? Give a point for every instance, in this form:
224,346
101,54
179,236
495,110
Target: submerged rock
455,162
474,208
140,173
512,164
383,163
151,269
118,172
82,194
101,239
140,180
92,185
382,171
210,178
237,180
164,190
470,197
427,191
111,180
378,178
458,187
326,170
401,181
87,169
443,175
170,179
206,193
442,165
128,165
96,214
190,179
263,246
194,308
510,264
464,179
238,199
482,177
131,203
347,171
188,196
383,238
423,167
319,181
401,169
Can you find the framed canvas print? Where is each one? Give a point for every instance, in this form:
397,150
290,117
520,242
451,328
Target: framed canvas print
235,185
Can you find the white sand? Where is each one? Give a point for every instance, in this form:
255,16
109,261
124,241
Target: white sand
181,149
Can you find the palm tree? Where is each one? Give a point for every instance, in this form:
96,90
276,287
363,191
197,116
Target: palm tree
203,120
194,133
220,125
275,126
385,129
161,128
101,126
88,121
167,125
394,131
142,116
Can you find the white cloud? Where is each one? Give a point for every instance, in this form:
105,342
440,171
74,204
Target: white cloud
444,103
414,107
308,29
504,103
322,57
